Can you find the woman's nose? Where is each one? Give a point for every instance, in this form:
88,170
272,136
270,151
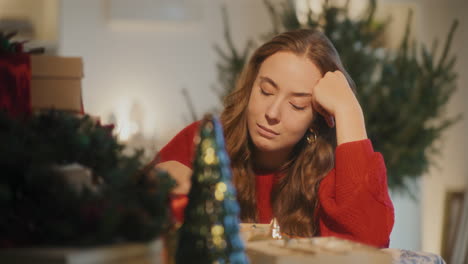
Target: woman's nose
273,113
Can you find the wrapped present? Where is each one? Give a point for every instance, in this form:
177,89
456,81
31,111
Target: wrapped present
15,78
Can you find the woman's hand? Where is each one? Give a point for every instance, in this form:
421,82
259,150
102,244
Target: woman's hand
331,93
335,101
180,173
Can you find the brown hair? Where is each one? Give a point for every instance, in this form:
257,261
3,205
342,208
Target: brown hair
294,196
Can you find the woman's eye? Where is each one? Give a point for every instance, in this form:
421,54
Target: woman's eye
264,92
298,107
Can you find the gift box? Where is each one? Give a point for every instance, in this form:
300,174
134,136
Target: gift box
56,83
15,84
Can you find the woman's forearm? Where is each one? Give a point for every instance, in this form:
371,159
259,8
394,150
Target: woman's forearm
350,125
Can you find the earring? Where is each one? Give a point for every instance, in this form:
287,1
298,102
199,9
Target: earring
311,136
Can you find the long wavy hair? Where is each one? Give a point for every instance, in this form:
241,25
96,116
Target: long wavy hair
294,196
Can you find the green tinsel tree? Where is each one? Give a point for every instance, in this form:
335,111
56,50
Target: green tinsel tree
403,94
210,233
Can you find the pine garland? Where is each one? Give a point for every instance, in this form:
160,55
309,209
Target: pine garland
124,202
403,94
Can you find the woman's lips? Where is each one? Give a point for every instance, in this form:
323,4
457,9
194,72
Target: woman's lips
265,132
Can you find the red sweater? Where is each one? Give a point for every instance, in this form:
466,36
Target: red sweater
353,198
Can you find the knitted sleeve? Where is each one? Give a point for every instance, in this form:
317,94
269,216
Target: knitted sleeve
181,147
353,198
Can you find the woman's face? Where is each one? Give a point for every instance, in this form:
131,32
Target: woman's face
280,105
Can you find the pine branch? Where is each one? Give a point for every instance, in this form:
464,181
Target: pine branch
275,19
231,61
448,43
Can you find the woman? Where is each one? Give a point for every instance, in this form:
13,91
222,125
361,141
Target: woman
288,159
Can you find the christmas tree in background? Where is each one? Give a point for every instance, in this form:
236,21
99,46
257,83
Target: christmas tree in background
403,94
231,63
210,233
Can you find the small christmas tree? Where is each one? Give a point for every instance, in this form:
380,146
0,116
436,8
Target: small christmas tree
210,233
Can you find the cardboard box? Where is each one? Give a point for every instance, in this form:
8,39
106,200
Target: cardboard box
56,83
